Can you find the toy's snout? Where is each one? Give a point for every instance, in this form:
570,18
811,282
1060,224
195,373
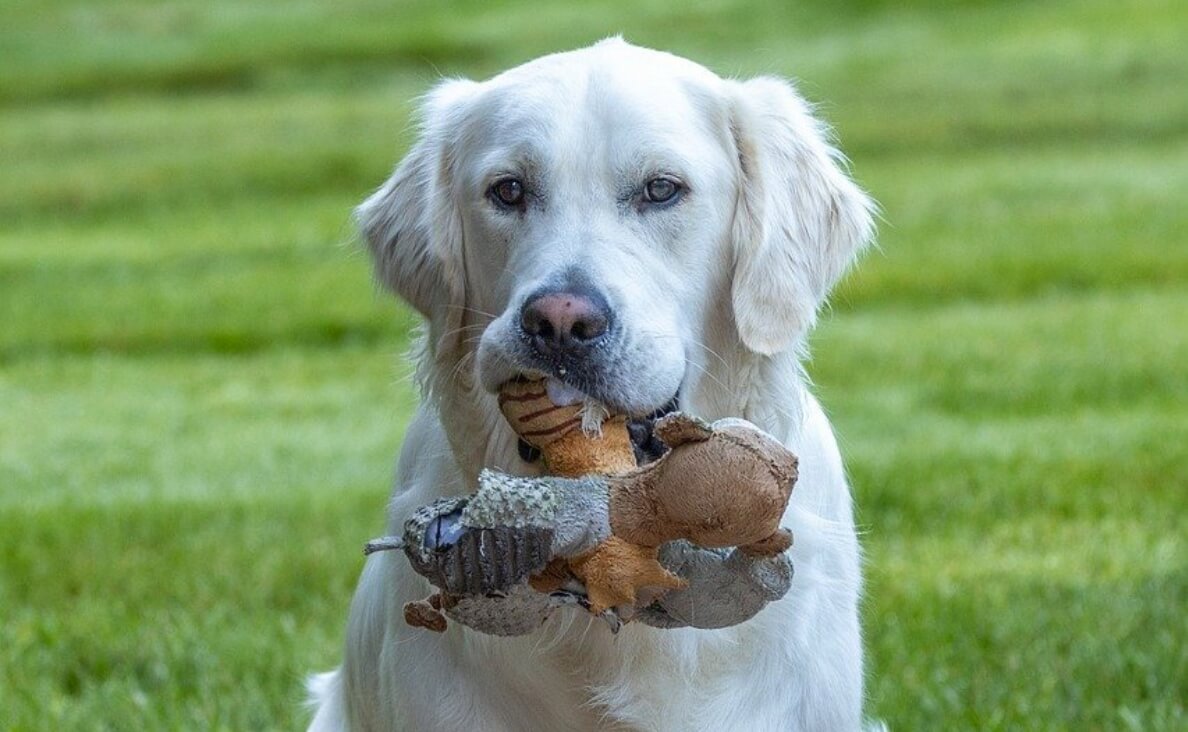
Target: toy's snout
717,488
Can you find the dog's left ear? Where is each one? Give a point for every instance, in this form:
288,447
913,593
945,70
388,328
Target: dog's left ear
800,221
412,224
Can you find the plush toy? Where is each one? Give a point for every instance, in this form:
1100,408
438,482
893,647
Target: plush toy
649,542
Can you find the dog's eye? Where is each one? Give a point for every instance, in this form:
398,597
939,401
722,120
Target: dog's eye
661,190
508,191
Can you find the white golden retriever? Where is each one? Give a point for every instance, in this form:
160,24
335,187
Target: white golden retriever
699,223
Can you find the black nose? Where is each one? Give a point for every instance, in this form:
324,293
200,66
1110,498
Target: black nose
565,320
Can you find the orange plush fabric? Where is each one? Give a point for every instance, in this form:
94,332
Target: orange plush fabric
556,431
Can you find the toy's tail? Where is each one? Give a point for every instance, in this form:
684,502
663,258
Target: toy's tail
383,544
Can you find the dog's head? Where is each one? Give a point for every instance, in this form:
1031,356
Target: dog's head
594,215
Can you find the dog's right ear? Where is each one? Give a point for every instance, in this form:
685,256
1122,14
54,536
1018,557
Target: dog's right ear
800,221
412,224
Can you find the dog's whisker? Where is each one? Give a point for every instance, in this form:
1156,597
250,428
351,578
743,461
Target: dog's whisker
695,342
703,370
708,374
711,352
476,311
455,372
462,329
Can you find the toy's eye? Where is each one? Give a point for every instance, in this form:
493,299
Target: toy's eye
508,191
661,190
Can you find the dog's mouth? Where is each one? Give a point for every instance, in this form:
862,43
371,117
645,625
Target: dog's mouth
643,440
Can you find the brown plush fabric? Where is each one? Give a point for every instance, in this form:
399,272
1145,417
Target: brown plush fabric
778,541
678,429
727,489
424,614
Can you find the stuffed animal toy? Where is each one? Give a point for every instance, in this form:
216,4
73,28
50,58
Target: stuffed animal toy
692,538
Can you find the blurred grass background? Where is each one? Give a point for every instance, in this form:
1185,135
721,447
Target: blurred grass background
201,396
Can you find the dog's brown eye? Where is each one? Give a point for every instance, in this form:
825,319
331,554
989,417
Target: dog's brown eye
661,190
509,191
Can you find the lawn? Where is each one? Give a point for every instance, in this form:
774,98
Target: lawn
201,390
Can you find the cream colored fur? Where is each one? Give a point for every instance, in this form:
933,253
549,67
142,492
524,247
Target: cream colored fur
714,297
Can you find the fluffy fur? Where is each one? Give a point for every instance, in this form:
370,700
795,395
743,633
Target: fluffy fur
713,297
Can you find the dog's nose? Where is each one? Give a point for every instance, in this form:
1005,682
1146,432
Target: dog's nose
565,320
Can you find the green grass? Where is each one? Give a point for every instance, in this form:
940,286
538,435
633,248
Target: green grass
201,396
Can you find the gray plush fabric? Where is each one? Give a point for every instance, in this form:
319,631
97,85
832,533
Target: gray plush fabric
726,587
576,510
518,612
507,500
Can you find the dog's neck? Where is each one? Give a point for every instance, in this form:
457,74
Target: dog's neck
727,381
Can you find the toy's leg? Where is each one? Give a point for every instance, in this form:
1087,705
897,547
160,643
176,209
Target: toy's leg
725,586
678,428
778,541
426,613
616,570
